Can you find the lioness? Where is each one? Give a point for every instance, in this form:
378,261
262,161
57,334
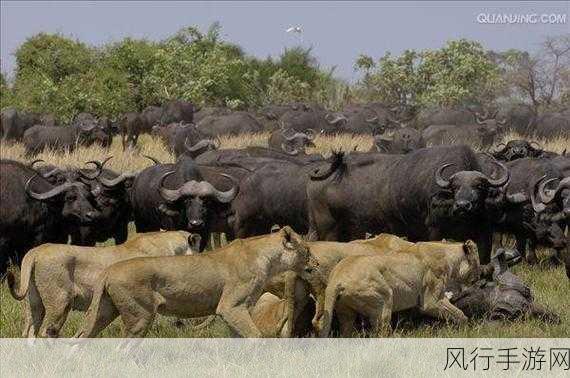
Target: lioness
225,282
377,285
60,277
327,254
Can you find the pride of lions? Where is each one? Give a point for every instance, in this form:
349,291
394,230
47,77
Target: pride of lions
264,286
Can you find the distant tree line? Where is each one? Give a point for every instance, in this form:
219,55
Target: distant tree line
62,76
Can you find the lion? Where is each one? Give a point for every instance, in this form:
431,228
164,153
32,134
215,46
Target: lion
57,278
225,282
296,290
375,286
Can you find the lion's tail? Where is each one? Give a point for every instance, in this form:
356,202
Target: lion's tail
20,289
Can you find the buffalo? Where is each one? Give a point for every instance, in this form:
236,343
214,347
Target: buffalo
290,140
33,211
230,124
37,138
401,141
406,195
482,134
14,123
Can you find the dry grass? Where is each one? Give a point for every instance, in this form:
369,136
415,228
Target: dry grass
550,287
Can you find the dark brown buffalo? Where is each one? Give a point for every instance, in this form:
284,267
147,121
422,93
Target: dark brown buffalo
402,141
291,140
61,138
14,123
407,195
230,124
33,211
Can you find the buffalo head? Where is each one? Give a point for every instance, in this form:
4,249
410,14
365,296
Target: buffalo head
75,197
196,197
517,149
469,189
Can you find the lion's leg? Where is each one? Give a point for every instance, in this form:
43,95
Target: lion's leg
99,316
435,303
137,311
137,325
57,303
239,320
443,309
36,313
27,325
380,321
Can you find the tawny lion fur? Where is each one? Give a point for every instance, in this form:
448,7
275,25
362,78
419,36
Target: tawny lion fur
225,282
57,278
375,286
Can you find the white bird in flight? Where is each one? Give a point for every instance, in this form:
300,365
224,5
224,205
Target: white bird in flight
294,29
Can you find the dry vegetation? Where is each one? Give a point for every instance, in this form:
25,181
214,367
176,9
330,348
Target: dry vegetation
550,286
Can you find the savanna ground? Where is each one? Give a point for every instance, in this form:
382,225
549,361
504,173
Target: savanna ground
550,285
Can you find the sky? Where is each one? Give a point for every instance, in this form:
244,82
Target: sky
337,31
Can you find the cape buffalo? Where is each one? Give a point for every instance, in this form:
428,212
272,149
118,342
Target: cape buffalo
14,123
406,195
291,140
109,194
33,211
177,111
230,124
175,197
530,221
518,149
402,141
60,138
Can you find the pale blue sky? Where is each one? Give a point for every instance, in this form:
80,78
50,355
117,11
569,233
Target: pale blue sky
338,31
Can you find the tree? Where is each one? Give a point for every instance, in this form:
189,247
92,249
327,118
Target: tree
542,79
457,73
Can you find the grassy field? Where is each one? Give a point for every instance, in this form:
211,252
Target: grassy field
550,286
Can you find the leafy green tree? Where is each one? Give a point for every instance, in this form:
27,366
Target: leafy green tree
459,72
134,59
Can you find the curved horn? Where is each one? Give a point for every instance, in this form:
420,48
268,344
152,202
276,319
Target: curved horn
117,180
439,180
98,168
168,194
50,193
479,122
310,133
503,122
198,146
548,196
286,148
154,160
537,206
502,180
83,127
338,118
228,196
36,162
44,175
372,120
533,144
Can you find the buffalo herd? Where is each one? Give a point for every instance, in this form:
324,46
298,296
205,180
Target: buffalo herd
435,175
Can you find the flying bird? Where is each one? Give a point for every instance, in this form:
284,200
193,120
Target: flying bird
294,29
